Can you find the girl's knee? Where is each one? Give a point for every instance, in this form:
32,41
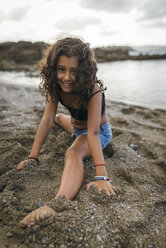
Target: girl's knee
58,118
64,121
72,152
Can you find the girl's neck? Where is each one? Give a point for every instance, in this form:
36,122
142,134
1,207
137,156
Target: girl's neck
71,100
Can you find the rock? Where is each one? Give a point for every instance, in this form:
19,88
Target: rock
45,240
40,204
134,147
99,238
9,234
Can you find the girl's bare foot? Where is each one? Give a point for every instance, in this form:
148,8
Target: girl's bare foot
36,216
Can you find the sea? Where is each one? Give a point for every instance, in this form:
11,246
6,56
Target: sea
141,83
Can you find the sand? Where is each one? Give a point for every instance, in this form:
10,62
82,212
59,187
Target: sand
136,164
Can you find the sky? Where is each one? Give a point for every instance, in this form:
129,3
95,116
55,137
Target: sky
99,22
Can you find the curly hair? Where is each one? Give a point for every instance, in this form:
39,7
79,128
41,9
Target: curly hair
86,71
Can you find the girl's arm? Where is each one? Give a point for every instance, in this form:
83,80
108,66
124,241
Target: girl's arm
94,119
46,123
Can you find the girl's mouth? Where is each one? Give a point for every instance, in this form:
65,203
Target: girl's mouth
66,85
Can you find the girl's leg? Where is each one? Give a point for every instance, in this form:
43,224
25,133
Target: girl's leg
73,161
64,121
71,180
73,173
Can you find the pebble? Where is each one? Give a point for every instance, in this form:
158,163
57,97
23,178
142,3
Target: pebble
92,206
9,234
44,240
40,204
99,238
62,246
134,147
51,246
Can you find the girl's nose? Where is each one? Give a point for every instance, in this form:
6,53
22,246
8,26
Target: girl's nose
67,75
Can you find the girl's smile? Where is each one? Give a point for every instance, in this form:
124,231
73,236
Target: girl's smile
66,85
66,72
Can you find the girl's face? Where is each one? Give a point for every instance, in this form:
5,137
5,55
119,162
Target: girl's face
66,72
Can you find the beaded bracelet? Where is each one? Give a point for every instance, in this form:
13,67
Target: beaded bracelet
36,159
99,165
105,178
101,178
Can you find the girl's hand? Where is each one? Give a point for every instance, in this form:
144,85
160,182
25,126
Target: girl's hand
102,185
21,164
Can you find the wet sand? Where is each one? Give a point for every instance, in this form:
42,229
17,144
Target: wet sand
136,164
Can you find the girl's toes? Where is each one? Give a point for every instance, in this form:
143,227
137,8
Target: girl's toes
23,223
38,217
31,220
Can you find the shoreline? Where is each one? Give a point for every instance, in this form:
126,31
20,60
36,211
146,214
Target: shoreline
35,87
134,217
25,55
11,66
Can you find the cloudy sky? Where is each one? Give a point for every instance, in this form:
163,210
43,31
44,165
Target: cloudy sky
100,22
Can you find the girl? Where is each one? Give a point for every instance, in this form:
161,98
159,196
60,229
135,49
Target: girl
68,71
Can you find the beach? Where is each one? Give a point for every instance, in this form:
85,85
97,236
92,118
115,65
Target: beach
136,164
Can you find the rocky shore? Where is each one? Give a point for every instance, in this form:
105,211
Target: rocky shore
135,158
26,55
21,55
109,54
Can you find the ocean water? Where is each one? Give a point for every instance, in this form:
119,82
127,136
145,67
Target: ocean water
140,83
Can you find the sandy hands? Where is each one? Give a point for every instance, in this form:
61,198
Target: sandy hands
36,216
102,185
21,164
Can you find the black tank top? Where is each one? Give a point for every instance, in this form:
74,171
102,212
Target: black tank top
82,114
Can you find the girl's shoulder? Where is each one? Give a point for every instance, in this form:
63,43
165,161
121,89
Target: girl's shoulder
53,99
96,90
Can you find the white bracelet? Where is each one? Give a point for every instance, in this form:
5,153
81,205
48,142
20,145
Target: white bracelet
103,177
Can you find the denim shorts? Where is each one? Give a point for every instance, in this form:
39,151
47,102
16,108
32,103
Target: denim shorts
105,134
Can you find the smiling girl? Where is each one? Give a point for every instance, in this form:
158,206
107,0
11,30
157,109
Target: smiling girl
68,71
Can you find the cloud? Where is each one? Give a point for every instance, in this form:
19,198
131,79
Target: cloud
149,8
76,23
152,9
108,5
160,23
54,0
2,16
149,11
152,13
16,14
110,33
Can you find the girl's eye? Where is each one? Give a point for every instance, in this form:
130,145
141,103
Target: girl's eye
73,72
60,69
